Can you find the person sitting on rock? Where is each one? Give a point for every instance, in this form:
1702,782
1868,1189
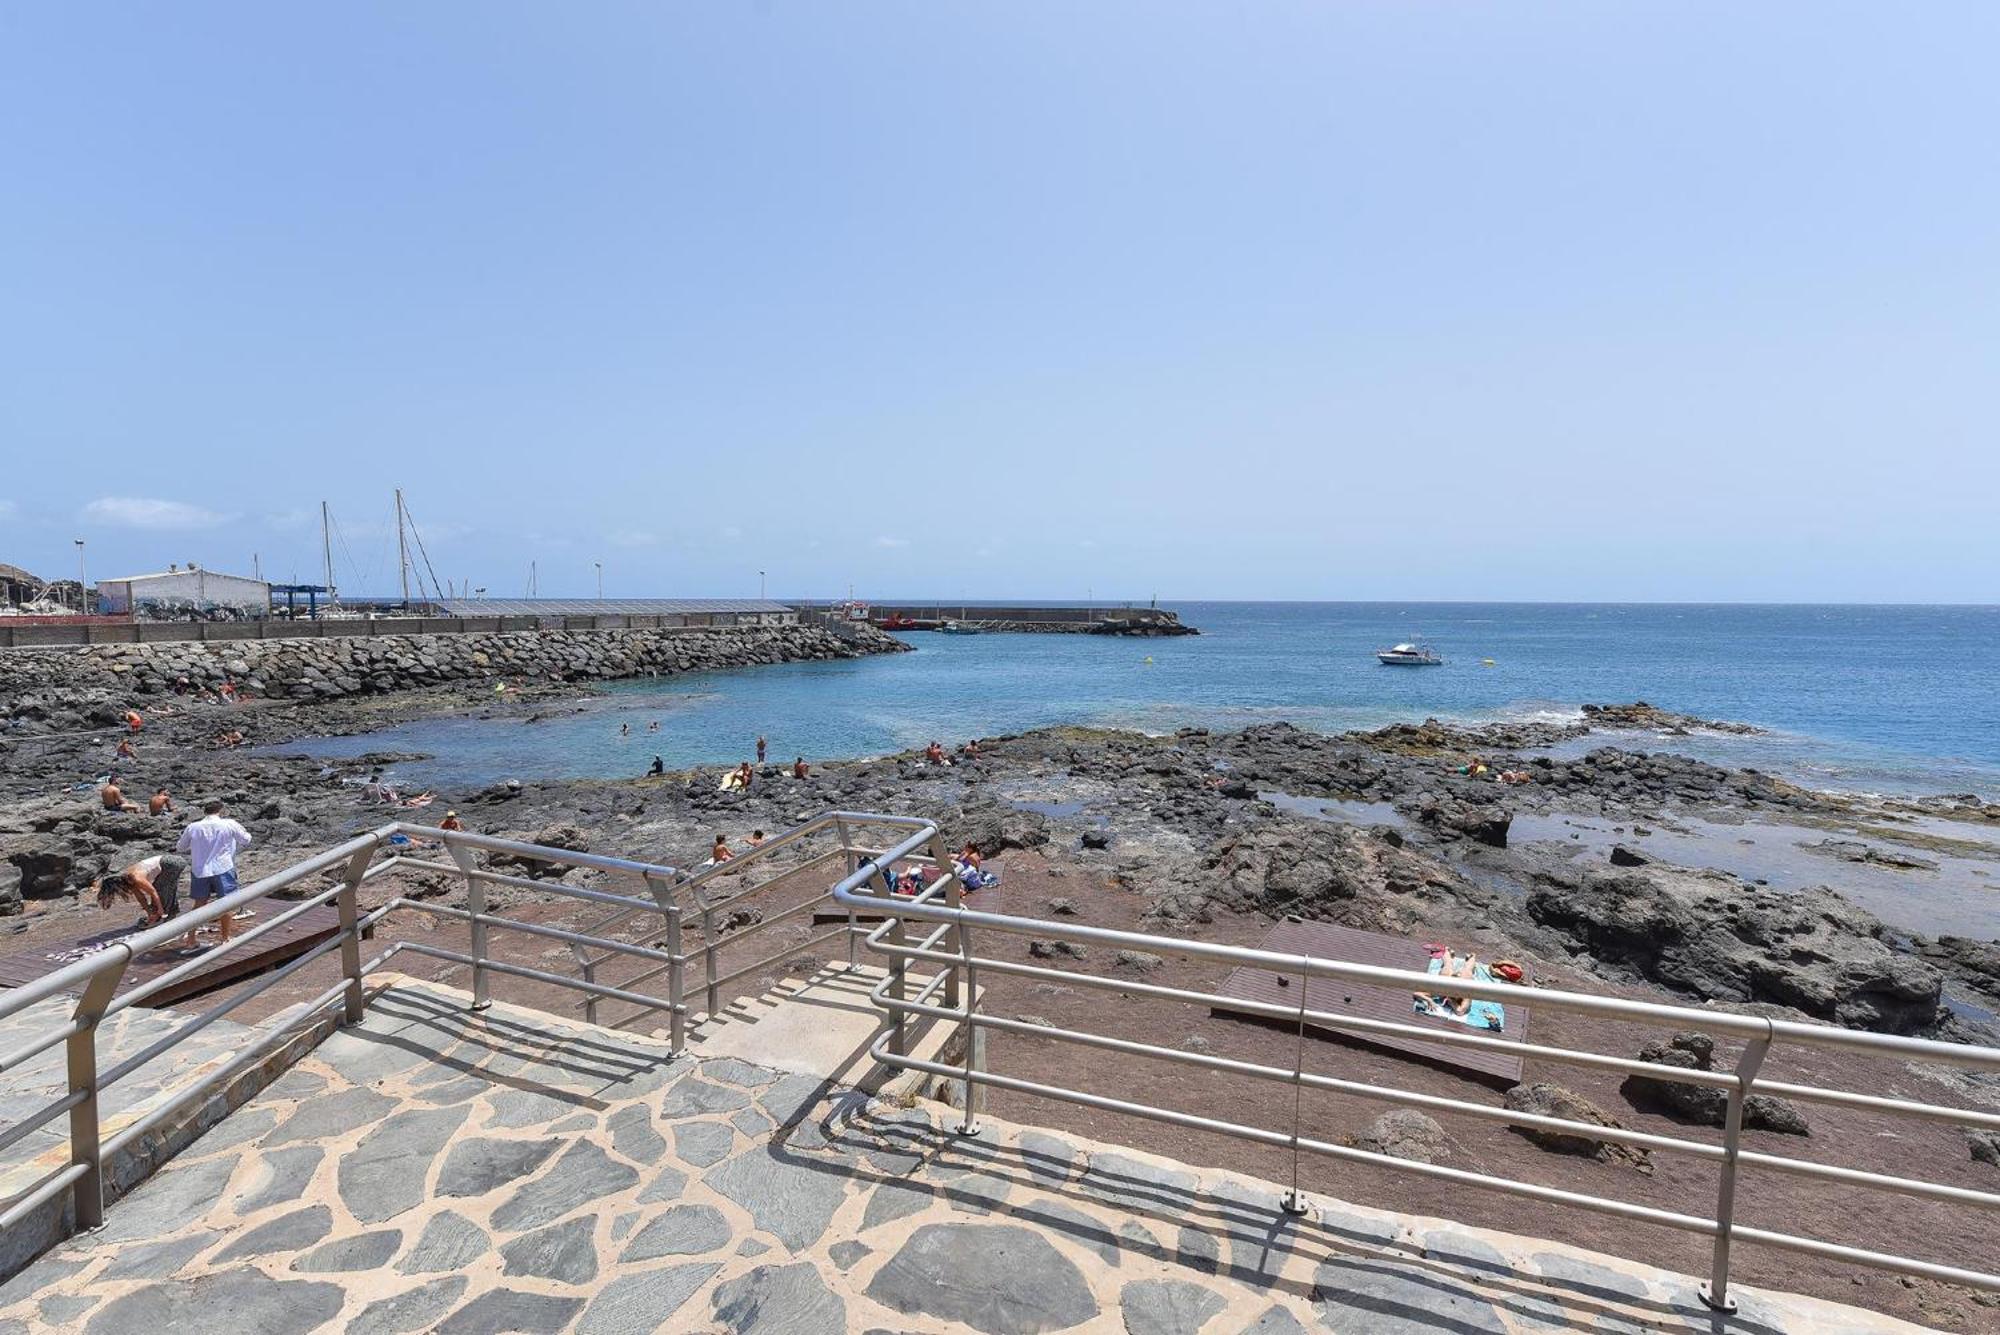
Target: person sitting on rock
113,797
659,766
744,774
451,822
125,751
377,791
756,838
230,739
719,853
160,803
799,769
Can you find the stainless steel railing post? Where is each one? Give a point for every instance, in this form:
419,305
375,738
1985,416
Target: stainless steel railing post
954,898
708,959
676,980
86,1144
899,969
974,1100
853,860
475,904
1715,1293
1294,1203
349,903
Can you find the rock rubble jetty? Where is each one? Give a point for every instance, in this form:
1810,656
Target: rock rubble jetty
61,689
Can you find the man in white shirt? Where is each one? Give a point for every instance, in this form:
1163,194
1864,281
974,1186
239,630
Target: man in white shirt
211,845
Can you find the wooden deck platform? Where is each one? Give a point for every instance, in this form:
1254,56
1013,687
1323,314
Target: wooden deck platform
1328,941
273,948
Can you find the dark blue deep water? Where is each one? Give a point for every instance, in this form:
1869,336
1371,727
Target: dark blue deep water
1894,699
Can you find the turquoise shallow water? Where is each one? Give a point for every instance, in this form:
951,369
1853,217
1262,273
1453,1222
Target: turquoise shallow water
1891,699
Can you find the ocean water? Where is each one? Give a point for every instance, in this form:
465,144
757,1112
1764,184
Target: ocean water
1882,699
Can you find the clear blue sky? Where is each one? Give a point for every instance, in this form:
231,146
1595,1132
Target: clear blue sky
1298,300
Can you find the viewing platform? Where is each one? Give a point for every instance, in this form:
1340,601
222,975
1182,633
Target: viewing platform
728,1144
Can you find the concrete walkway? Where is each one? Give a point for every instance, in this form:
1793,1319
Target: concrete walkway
440,1170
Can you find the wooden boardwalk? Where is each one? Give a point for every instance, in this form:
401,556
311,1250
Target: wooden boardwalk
1336,996
273,948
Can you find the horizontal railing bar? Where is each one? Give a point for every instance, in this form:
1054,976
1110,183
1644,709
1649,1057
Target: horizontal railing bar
785,954
1312,1080
1908,1186
34,1121
247,1056
537,929
1877,1103
538,975
567,857
41,1043
1876,1260
1325,1019
1555,1195
540,887
32,1199
237,942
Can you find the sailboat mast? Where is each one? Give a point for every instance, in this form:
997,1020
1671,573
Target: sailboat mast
402,548
326,546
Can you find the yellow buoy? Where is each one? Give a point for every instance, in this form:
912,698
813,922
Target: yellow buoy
1149,659
1486,662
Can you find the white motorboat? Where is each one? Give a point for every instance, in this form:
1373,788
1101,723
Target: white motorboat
1408,655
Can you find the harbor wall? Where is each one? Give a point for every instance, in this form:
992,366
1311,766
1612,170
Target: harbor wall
55,688
1032,619
34,634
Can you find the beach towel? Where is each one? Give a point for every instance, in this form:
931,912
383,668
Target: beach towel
1479,1015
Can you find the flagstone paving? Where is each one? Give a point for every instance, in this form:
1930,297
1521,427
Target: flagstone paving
437,1169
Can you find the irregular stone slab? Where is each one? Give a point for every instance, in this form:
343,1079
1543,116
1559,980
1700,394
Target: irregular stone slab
61,1312
732,1071
704,1143
296,1084
239,1128
1464,1250
1589,1279
997,1278
845,1254
280,1176
668,1186
643,1304
153,1260
565,1252
633,1134
363,1251
241,1299
895,1200
508,1310
1167,1306
1136,1238
164,1203
579,1124
1276,1321
1387,1299
458,1089
791,1200
685,1230
1134,1184
584,1174
517,1108
385,1174
792,1097
331,1116
475,1167
1048,1159
752,1123
365,1058
418,1309
694,1098
450,1241
773,1300
1071,1225
286,1233
1198,1251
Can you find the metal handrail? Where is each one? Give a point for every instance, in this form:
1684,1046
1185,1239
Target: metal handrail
1759,1033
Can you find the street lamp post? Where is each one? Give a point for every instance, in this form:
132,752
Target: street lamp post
600,580
760,586
82,581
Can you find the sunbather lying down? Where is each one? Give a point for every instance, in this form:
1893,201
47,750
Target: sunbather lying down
1465,1010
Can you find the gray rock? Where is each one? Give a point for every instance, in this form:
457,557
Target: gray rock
1587,1278
751,1122
1048,1159
644,1303
1137,961
385,1174
281,1176
1167,1306
995,1278
896,1200
363,1251
449,1242
685,1230
845,1254
667,1186
583,1175
694,1098
1984,1146
416,1309
790,1099
1550,1100
704,1143
566,1252
475,1167
1120,1180
155,1260
251,1300
1198,1251
633,1134
1384,1298
733,1072
1704,1104
514,1109
1275,1321
164,1203
774,1300
1405,1133
508,1310
286,1233
791,1200
61,1312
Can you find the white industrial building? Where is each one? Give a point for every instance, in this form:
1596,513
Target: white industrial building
179,594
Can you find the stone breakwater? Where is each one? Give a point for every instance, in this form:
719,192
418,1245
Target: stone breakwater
65,688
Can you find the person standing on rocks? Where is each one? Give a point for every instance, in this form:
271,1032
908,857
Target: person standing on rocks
211,844
760,750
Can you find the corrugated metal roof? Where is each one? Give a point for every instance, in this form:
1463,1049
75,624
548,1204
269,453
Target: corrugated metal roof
584,607
183,573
